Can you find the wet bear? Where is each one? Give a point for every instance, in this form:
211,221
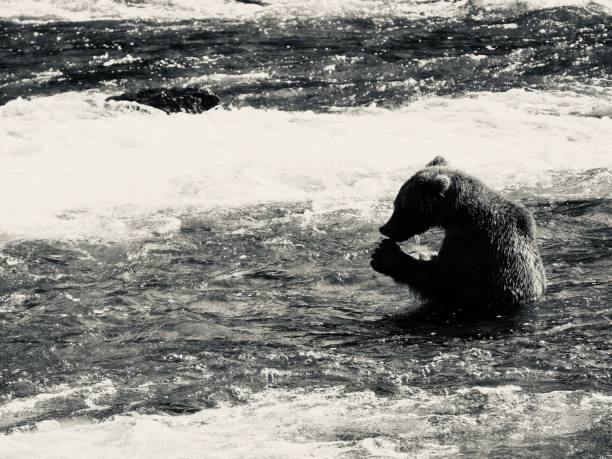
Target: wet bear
489,253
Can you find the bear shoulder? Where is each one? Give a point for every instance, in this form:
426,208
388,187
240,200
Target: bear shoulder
524,221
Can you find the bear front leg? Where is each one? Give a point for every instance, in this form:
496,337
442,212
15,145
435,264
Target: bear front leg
422,275
389,259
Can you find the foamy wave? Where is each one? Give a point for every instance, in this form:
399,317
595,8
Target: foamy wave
77,166
90,395
84,10
224,77
327,423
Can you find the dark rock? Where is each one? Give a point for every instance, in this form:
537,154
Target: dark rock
172,100
252,2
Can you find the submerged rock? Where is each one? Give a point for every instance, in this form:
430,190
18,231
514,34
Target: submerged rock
172,100
252,2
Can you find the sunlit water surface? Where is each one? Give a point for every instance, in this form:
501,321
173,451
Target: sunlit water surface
199,285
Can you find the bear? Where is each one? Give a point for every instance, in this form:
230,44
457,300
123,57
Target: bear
489,254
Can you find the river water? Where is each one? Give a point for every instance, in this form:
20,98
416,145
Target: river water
199,285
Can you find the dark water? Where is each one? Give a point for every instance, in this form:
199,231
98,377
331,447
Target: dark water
313,64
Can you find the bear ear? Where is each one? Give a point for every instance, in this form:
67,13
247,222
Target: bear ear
437,161
440,184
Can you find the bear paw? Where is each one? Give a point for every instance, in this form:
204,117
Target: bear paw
387,257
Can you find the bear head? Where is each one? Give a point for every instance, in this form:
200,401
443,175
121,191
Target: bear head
419,205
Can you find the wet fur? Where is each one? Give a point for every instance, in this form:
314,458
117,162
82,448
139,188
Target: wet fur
489,253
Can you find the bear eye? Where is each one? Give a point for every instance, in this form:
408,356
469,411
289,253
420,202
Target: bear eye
403,198
402,209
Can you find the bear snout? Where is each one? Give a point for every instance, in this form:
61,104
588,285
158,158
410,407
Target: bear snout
384,230
394,232
396,228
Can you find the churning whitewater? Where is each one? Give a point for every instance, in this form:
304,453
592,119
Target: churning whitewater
198,285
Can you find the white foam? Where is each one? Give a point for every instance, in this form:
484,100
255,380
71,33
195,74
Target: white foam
76,166
128,59
83,10
24,408
326,423
224,77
